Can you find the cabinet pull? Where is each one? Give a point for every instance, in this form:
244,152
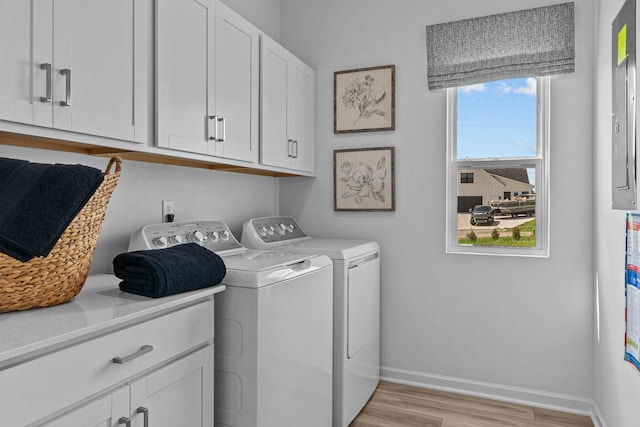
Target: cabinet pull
295,143
47,97
290,148
143,350
224,129
124,420
212,136
67,73
145,411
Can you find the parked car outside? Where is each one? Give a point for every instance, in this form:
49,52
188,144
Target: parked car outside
481,214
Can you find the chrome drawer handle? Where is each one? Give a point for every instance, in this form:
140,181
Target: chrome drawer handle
47,97
124,420
212,136
67,73
145,411
143,350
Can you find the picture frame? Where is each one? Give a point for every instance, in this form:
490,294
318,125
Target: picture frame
364,99
364,179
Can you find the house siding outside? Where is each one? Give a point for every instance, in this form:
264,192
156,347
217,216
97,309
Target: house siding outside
489,186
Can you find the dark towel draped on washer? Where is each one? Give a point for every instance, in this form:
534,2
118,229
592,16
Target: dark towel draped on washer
38,202
161,272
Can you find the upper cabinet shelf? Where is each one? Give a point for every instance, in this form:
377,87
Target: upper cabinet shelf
217,85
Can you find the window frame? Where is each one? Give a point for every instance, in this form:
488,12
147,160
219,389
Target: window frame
542,177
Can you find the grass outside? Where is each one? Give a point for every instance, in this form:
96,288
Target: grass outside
527,237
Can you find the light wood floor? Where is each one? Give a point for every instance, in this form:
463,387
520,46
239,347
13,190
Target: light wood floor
395,405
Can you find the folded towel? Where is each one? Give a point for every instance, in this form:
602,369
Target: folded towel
161,272
38,202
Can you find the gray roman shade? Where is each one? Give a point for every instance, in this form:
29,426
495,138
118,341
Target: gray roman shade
531,42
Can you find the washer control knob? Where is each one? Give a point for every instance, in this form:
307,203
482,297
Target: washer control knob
160,242
262,230
197,236
291,227
281,228
271,229
224,234
213,235
176,240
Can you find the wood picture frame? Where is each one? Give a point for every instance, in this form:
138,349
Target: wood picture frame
364,99
364,179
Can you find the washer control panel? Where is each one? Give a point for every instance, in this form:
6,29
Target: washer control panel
213,235
275,228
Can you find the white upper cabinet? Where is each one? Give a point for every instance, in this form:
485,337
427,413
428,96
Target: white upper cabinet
77,65
184,67
287,109
237,81
207,80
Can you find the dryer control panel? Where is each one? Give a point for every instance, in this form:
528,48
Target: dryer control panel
213,235
274,229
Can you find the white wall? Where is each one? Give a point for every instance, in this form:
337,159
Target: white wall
506,326
617,384
137,200
197,193
264,14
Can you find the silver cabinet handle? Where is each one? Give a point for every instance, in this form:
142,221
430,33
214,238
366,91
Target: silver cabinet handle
295,143
145,411
47,97
212,136
67,73
289,147
224,129
124,420
143,350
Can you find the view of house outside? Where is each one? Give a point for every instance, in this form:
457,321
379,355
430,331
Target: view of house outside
496,205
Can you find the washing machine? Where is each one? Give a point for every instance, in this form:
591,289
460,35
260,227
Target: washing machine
273,328
356,305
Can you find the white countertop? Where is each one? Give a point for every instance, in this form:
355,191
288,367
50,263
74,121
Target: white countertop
99,308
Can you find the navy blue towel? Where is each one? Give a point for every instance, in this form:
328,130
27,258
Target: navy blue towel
38,202
161,272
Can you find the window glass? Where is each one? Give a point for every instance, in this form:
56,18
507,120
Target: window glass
497,120
497,155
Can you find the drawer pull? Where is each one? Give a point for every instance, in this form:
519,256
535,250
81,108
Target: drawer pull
143,350
145,411
124,420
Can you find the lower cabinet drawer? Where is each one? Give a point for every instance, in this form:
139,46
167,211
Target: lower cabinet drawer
45,385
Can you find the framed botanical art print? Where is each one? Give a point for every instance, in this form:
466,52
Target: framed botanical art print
364,99
364,179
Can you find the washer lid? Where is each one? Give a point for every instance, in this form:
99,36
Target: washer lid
257,260
333,248
255,268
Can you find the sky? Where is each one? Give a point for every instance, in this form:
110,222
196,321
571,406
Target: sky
497,119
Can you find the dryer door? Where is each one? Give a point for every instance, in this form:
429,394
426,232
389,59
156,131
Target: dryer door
363,302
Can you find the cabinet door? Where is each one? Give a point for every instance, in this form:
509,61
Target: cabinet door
301,114
237,82
102,412
101,56
180,394
25,25
275,150
287,109
184,67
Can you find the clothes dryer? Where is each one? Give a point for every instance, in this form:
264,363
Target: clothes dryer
356,305
273,328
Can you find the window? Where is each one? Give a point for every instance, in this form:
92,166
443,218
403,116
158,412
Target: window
498,156
466,178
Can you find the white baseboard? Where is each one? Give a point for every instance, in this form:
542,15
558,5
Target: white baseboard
524,396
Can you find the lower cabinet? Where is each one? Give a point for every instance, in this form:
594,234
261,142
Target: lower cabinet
154,372
179,394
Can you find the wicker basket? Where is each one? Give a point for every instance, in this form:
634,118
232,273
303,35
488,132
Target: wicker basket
58,277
